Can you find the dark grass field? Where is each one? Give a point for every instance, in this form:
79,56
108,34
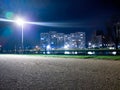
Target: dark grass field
100,57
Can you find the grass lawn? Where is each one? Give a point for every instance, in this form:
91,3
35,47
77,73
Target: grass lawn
83,56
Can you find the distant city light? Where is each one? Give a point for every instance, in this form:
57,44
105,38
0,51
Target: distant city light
36,46
93,46
111,48
44,53
48,52
101,45
66,52
48,47
89,43
66,46
114,53
90,53
76,52
62,40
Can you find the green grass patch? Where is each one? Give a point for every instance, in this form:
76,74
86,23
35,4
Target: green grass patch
108,57
82,56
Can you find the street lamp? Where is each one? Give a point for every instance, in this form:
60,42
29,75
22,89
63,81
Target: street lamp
20,22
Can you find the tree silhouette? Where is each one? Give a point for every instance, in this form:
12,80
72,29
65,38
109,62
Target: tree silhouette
113,31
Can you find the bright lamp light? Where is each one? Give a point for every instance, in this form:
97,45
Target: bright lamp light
20,21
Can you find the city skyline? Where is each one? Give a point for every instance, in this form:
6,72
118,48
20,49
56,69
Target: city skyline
76,36
53,40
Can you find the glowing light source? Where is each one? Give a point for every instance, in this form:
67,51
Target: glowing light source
93,46
66,52
76,52
20,21
48,52
90,53
66,46
48,47
114,53
89,43
111,48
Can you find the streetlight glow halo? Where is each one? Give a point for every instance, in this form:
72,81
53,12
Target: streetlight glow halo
20,21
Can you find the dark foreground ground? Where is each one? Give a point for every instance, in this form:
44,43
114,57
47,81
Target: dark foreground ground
19,72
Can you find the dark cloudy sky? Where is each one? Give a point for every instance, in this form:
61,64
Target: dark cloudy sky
85,15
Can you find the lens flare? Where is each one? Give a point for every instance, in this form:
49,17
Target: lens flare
51,24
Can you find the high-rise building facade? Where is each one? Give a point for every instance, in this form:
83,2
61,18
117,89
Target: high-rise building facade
44,40
53,39
62,41
77,40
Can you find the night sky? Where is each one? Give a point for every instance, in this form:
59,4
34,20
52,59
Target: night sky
75,15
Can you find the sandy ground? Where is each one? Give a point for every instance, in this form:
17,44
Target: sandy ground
19,72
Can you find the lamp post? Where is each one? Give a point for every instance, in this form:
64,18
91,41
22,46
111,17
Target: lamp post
20,22
22,40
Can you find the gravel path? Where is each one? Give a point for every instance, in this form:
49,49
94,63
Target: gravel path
19,72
